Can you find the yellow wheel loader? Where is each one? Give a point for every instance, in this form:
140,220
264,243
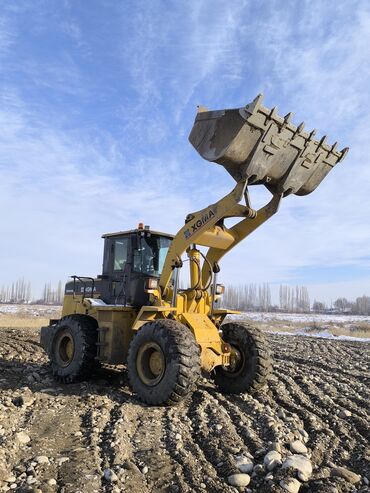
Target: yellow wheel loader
135,312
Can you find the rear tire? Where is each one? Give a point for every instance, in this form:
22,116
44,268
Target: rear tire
251,367
163,362
73,348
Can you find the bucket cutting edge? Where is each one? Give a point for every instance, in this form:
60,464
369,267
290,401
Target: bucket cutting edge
254,142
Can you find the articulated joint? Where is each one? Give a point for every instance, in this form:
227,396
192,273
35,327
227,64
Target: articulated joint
251,213
177,264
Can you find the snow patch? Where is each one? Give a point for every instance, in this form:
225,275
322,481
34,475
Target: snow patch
303,317
325,334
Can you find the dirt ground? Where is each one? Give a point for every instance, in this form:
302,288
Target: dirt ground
97,437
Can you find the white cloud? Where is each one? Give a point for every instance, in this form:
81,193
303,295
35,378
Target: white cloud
181,48
325,76
58,194
65,183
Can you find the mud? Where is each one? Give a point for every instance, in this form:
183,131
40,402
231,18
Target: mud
97,437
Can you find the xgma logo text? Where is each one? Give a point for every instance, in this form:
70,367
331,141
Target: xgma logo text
198,224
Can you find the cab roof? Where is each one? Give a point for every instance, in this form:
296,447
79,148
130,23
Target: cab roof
130,231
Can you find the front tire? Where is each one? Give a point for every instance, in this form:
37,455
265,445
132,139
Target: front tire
73,348
163,362
251,362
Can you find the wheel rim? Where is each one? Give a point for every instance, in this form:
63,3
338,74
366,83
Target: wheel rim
65,348
237,361
150,363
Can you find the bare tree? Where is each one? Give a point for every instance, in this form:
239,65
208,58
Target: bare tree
248,297
18,291
294,299
318,306
362,305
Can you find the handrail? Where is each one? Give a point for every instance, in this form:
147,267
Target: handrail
83,280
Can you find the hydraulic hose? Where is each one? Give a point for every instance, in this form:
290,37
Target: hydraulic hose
210,271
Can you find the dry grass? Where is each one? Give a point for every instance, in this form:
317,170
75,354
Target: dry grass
361,326
26,317
15,321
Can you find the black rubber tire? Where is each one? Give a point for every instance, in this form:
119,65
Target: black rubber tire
181,357
83,331
255,366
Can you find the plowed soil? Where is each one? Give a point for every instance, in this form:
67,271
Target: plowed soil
319,393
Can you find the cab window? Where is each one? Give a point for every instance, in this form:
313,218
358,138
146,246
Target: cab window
120,253
150,254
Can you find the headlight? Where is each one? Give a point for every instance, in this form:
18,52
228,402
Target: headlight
151,284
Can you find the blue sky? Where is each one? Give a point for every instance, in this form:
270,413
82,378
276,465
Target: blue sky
96,103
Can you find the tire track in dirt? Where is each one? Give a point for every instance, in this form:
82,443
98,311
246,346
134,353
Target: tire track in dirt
332,438
153,451
182,449
191,448
98,425
239,414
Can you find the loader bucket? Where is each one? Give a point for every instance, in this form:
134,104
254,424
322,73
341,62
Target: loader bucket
255,143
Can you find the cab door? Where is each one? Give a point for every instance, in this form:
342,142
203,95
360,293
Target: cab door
119,260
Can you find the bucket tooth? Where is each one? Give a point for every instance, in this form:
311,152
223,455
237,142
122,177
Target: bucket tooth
274,112
255,144
344,153
254,105
322,141
257,101
334,147
300,127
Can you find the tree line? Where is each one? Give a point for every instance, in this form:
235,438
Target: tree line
361,306
257,297
247,297
20,291
16,292
292,299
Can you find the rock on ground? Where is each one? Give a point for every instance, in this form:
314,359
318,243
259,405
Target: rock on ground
297,447
244,464
272,459
22,437
342,472
300,463
239,480
291,485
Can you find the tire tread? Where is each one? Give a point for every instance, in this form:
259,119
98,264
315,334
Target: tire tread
84,328
251,338
182,348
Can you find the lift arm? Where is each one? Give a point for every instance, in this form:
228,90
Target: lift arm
240,231
206,227
196,225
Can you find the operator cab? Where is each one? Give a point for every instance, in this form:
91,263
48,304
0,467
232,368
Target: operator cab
130,258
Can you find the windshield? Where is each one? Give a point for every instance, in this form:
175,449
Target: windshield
150,254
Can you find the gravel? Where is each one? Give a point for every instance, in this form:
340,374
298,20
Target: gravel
76,433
